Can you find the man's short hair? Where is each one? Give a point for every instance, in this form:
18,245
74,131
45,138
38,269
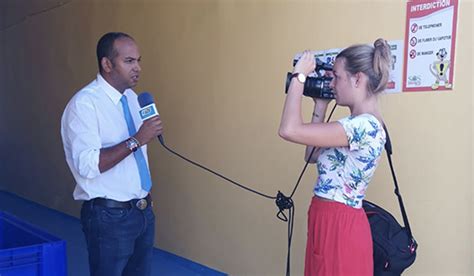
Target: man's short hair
105,46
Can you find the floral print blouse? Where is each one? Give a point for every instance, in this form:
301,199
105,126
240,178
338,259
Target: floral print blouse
345,172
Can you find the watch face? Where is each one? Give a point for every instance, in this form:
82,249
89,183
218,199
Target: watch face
301,78
131,145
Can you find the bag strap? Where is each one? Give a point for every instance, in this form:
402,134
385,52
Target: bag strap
388,149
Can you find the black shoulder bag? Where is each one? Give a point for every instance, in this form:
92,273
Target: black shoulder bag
393,245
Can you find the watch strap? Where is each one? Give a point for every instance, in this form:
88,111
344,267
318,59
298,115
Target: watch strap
298,78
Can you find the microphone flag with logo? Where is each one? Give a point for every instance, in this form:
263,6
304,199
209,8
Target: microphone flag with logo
147,106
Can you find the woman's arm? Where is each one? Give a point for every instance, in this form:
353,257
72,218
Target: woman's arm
318,116
292,127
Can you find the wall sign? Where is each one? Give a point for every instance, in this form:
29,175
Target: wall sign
430,37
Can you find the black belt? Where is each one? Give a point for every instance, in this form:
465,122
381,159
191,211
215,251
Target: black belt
139,203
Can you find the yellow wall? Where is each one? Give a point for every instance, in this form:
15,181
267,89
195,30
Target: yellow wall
217,70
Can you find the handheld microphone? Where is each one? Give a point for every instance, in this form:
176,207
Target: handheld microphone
148,109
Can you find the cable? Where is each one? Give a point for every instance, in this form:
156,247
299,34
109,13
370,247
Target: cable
213,172
283,202
310,155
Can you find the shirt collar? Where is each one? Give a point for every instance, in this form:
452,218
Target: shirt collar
113,93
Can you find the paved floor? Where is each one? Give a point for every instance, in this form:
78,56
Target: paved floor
68,228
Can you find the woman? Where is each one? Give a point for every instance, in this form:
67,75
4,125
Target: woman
347,152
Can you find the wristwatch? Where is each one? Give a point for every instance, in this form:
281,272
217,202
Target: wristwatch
132,144
299,76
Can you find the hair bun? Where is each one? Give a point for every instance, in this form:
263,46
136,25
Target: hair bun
381,50
380,43
381,63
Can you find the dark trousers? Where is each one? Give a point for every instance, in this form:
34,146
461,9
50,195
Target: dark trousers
119,240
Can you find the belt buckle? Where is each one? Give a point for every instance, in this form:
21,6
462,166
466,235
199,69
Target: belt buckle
141,204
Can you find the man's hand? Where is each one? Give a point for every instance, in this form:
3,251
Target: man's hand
149,130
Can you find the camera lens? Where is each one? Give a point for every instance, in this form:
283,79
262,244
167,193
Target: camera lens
314,87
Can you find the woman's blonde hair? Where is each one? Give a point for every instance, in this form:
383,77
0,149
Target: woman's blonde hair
375,62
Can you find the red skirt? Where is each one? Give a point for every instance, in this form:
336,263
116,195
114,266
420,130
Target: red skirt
339,241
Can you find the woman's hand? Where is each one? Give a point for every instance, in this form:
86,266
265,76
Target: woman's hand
306,64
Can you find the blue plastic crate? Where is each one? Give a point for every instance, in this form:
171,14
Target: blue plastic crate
26,250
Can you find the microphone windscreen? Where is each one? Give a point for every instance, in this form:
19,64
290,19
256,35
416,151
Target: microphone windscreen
145,99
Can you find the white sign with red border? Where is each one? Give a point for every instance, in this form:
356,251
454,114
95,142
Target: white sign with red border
430,37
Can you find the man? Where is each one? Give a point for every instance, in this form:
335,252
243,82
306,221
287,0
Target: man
108,159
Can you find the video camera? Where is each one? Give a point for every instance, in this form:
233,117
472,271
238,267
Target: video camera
316,84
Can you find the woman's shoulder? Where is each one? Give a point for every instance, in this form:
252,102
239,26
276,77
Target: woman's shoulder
363,121
362,129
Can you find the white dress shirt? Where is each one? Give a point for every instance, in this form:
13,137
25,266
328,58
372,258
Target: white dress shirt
94,119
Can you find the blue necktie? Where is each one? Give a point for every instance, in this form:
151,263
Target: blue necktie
145,178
